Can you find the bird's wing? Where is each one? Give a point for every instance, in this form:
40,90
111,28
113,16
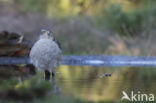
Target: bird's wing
58,43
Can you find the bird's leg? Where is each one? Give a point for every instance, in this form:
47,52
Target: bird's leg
47,75
53,74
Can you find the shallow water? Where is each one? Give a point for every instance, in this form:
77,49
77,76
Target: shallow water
90,84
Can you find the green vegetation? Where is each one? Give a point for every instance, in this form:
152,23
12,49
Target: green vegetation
32,90
32,5
89,24
13,90
131,22
93,24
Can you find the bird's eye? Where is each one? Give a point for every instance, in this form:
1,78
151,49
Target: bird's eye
44,32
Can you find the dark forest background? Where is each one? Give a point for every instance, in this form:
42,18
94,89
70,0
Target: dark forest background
125,27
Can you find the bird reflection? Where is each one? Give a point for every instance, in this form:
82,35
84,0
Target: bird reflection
55,89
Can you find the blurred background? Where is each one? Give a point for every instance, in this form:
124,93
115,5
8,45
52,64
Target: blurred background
125,27
85,27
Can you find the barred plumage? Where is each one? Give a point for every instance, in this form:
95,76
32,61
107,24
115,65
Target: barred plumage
46,52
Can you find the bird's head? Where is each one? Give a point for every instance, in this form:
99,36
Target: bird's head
45,33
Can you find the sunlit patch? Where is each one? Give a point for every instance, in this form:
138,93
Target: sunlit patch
94,62
136,62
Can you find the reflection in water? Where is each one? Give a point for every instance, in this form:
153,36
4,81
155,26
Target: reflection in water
56,89
90,83
18,83
86,83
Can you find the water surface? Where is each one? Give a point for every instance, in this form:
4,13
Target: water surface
83,77
89,83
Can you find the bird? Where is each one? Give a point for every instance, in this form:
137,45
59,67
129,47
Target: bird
46,53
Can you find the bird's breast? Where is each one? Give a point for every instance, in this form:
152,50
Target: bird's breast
45,47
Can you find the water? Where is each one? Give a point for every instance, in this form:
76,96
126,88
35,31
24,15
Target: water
89,84
83,78
109,61
106,61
